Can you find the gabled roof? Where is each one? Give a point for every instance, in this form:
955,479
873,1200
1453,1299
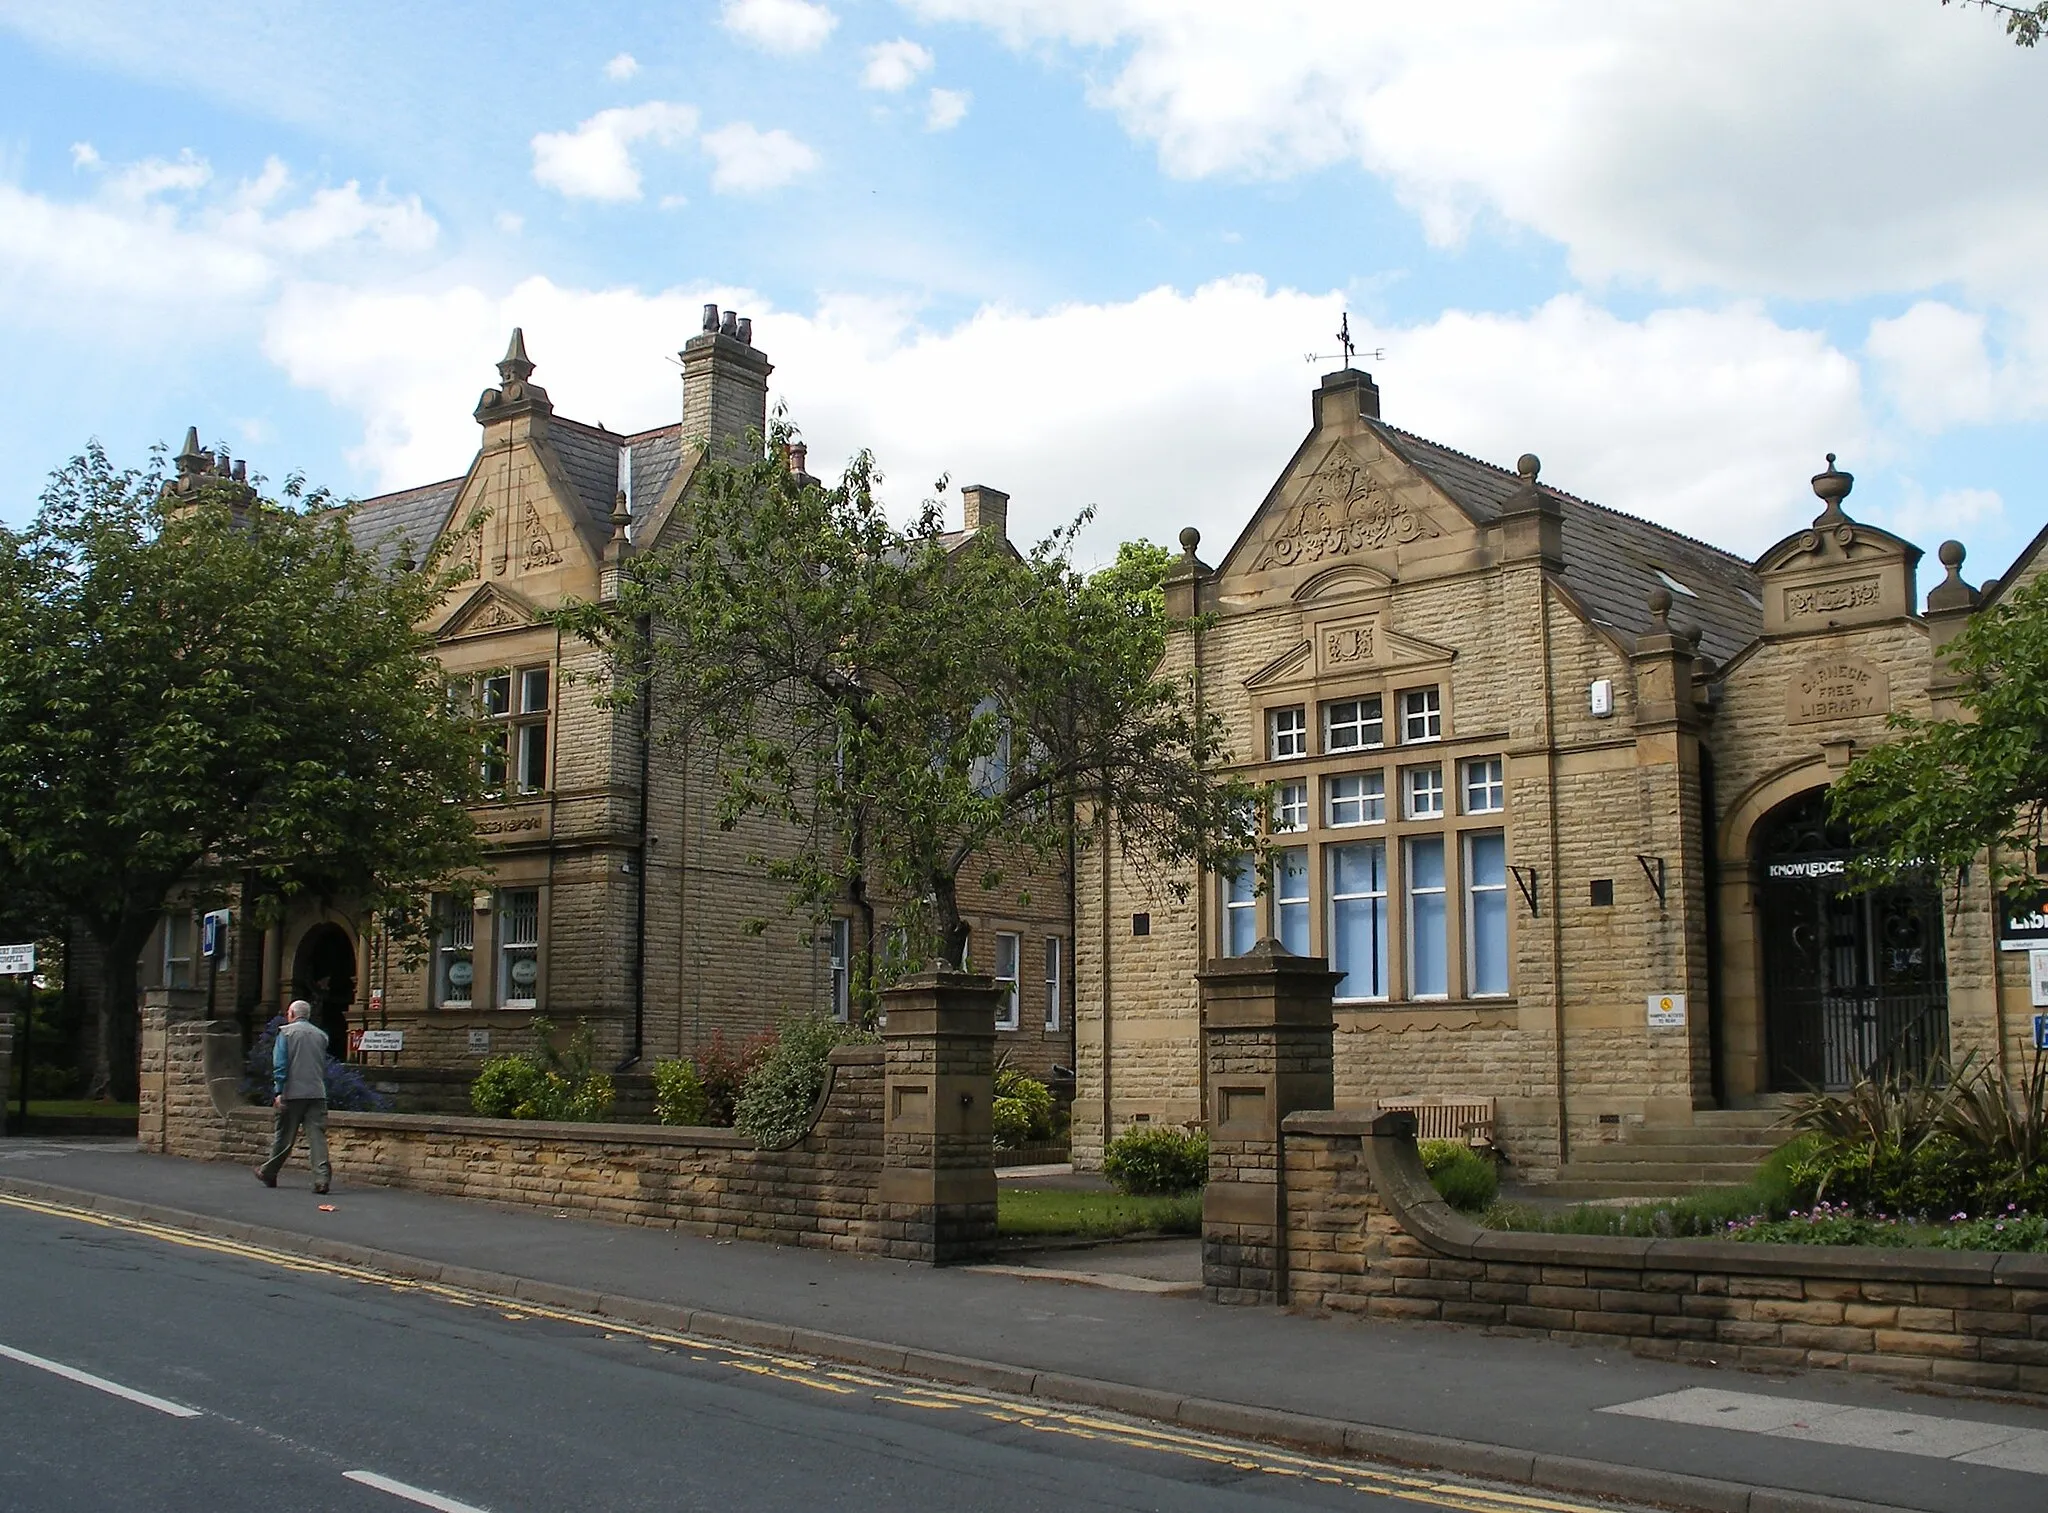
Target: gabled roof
1612,561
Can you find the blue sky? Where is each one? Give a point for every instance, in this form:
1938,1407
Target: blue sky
1078,249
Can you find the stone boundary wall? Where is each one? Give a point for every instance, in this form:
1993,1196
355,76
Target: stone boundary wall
930,1196
1366,1233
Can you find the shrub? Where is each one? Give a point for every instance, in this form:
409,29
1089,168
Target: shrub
1151,1159
1023,1109
546,1084
1467,1180
348,1091
775,1105
724,1068
678,1093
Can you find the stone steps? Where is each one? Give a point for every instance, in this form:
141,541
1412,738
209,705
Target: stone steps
1676,1152
1576,1190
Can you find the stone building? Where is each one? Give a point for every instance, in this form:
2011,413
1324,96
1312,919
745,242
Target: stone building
613,893
1548,789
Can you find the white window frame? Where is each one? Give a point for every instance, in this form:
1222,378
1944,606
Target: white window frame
454,940
1422,715
1055,979
1240,900
1287,734
1369,896
1410,893
179,931
511,948
1420,786
1349,734
1290,808
1490,790
1371,799
1291,908
841,967
1474,890
519,706
1010,956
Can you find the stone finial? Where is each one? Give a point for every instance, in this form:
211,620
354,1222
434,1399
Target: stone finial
1660,611
1190,538
1528,465
1831,488
1952,592
190,458
622,517
515,367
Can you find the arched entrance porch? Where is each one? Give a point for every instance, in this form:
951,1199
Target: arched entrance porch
1854,984
324,974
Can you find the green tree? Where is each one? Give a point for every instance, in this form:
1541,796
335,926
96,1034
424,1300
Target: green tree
209,683
1940,792
915,702
2023,23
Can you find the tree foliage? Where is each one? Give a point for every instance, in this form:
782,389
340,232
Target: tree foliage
2023,23
918,703
216,684
1940,792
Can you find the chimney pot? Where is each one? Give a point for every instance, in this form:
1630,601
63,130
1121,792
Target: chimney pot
711,317
747,329
728,325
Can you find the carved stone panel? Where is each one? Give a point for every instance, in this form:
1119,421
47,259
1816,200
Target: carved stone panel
1810,602
1340,648
1837,687
1341,509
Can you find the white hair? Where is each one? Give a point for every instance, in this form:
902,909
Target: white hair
299,1009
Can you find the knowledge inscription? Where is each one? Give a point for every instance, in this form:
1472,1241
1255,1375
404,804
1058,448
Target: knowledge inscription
1837,688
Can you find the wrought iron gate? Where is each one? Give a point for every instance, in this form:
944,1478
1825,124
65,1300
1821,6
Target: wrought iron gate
1855,984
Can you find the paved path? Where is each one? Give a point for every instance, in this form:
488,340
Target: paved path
1535,1396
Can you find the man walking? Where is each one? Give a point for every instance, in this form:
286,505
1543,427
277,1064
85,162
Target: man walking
298,1070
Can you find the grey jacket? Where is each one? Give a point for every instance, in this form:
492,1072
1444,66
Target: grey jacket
299,1064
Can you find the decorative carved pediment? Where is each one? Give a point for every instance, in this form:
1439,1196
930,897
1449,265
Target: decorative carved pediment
487,610
1340,509
1365,642
1293,665
1341,581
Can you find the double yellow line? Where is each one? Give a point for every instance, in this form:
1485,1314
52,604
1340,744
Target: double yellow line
846,1381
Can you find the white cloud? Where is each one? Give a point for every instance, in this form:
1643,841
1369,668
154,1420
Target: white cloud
622,67
1827,149
152,239
1936,365
595,161
894,66
751,161
945,109
1185,412
1928,519
85,155
780,26
509,221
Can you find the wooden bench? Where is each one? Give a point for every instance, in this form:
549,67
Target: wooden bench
1449,1116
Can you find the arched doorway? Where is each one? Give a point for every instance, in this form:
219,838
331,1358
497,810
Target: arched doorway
324,974
1855,984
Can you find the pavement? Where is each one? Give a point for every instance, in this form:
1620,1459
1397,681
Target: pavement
1516,1410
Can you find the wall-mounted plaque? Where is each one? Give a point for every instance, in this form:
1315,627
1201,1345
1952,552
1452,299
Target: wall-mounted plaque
1837,687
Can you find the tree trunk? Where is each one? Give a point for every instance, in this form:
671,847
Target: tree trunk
948,926
114,1066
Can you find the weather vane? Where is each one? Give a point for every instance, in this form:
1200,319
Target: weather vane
1350,347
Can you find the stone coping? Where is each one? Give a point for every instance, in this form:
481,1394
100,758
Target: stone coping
700,1136
1391,1158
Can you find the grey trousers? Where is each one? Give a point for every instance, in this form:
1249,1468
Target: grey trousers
312,1113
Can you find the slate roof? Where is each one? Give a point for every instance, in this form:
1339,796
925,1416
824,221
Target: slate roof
411,519
1611,560
408,521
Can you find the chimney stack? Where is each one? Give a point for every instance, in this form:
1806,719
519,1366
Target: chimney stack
986,509
725,384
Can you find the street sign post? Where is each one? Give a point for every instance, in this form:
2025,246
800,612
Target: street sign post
20,961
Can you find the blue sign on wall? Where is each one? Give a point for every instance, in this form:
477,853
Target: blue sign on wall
2041,1032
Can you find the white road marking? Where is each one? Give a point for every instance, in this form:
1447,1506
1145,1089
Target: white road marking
73,1374
418,1495
1967,1441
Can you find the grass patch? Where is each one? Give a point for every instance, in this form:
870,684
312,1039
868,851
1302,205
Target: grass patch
1039,1211
77,1108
